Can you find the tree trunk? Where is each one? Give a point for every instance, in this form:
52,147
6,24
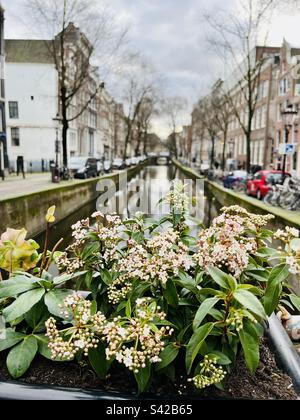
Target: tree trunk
65,125
139,141
248,161
224,153
145,137
127,141
212,160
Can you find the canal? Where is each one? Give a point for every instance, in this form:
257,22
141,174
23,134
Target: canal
140,193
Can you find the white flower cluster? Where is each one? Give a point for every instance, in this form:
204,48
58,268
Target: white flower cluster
80,230
293,264
81,336
177,198
161,257
287,235
210,374
69,265
227,243
140,331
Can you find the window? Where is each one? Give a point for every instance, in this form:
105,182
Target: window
283,86
15,137
13,109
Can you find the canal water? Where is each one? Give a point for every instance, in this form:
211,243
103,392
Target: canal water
141,193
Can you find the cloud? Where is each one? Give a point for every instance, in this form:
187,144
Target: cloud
172,34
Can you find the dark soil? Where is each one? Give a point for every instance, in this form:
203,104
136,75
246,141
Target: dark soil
269,382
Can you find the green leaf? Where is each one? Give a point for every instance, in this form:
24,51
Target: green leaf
97,358
221,357
186,281
11,338
128,309
37,316
279,273
54,299
143,378
250,344
20,357
219,277
249,301
67,277
204,309
106,277
170,294
23,304
274,287
295,301
16,285
195,344
266,252
167,356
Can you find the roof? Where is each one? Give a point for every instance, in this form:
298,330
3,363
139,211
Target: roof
28,51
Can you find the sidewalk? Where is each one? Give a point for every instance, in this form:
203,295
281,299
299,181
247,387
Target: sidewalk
15,186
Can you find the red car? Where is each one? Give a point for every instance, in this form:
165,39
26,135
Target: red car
260,184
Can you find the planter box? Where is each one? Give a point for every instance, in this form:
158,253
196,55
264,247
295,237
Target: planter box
283,348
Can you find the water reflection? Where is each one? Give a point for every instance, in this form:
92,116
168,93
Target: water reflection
143,192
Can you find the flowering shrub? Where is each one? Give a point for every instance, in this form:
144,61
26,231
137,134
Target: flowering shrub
155,296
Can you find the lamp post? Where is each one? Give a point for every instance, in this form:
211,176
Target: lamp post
56,174
288,115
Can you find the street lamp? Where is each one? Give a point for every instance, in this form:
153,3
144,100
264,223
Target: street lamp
55,174
288,116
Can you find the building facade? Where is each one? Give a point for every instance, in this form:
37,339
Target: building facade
277,87
3,137
34,108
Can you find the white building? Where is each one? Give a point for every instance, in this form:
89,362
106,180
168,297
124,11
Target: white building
31,87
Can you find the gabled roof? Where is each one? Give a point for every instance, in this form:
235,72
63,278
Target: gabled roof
28,51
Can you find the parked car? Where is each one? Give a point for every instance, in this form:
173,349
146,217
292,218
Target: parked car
233,178
128,162
261,182
83,167
118,164
107,166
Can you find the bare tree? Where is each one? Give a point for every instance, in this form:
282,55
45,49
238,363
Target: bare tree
140,83
222,114
173,107
75,53
235,37
146,113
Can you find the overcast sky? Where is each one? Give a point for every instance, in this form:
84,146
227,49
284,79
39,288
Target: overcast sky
171,34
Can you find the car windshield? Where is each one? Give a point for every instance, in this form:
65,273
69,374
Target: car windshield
77,162
274,178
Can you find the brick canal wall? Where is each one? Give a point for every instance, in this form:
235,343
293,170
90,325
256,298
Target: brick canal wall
29,210
228,197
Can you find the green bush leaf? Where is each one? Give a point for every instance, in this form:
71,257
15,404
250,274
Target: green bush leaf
204,309
195,344
170,294
67,277
295,301
55,298
23,304
11,338
167,356
249,301
97,358
143,378
16,285
250,343
37,316
20,357
219,277
274,287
